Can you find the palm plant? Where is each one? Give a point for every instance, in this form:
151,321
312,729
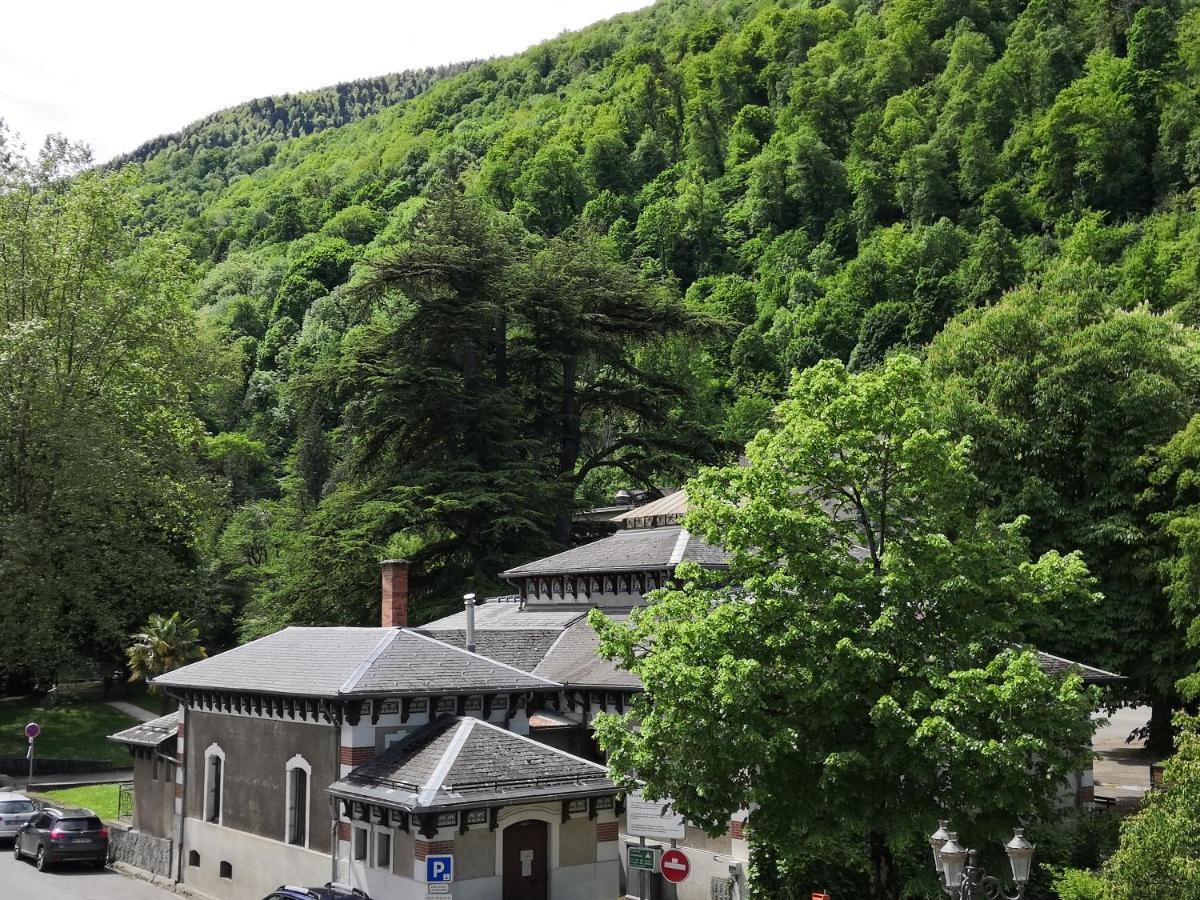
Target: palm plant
165,644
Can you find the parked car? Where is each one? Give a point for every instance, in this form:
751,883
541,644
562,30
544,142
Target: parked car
332,890
63,835
15,811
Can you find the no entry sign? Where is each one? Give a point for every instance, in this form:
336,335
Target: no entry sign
675,866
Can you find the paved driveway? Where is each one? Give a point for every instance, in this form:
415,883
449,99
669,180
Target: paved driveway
22,880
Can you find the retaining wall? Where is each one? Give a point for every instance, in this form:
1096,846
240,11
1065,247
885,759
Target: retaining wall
136,848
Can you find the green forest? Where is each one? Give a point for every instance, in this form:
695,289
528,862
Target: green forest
434,314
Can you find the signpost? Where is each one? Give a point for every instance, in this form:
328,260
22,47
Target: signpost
32,730
643,858
675,866
439,869
646,819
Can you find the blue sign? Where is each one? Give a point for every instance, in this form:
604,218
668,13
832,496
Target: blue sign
439,868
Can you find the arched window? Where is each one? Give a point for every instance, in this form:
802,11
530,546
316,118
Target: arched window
299,774
214,784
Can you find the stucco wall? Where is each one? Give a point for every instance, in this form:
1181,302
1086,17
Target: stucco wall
259,865
256,756
475,854
153,799
577,842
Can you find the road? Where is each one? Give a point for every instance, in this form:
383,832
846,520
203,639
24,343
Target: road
22,880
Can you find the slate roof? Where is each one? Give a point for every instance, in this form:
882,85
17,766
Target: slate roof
1056,665
456,762
152,733
338,662
495,616
522,649
576,663
631,550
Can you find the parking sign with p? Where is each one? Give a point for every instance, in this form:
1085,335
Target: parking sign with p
439,869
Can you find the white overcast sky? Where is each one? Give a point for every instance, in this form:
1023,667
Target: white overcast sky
115,74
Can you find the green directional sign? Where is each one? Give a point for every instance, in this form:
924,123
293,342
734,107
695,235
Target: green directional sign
643,858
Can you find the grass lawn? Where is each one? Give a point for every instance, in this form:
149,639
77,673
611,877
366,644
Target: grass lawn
100,798
69,731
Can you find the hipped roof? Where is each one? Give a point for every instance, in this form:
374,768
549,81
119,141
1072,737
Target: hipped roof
351,662
455,762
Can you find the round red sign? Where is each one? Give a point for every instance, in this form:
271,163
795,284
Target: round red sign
32,730
675,866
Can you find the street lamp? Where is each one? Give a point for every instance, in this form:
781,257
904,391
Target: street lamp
962,879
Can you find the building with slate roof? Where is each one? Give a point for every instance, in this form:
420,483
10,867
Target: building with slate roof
614,571
360,753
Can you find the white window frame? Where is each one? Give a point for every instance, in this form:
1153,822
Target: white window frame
297,762
214,750
377,832
365,831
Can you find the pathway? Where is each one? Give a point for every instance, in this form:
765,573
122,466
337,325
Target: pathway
136,712
1122,770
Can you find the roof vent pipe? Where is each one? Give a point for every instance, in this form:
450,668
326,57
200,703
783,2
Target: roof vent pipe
469,603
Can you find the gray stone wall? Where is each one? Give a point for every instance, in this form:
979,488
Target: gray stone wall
136,848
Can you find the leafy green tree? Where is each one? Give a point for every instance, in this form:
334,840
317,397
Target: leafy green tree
1063,399
164,644
102,502
861,659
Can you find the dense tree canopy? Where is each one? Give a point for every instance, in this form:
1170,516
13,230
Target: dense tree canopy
101,498
860,660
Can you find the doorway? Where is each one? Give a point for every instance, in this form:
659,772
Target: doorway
526,861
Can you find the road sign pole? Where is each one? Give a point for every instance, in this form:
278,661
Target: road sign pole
31,759
641,874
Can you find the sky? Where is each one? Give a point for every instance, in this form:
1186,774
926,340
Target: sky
117,74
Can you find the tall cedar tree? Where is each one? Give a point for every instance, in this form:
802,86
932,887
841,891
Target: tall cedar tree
492,381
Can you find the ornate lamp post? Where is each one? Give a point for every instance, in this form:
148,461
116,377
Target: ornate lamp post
962,879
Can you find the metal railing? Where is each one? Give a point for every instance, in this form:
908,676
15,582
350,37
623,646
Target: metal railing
125,802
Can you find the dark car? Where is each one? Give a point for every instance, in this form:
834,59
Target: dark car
332,890
63,835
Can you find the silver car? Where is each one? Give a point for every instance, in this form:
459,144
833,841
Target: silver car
15,811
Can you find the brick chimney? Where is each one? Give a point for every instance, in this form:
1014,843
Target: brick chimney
395,593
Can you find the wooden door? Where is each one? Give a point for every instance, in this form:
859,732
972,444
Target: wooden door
526,861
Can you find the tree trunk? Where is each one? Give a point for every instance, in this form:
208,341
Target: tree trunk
885,883
568,443
1160,735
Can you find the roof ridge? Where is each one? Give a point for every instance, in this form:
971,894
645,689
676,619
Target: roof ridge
680,547
558,640
480,656
446,763
355,676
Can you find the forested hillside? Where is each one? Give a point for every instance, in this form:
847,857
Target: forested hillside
806,181
437,330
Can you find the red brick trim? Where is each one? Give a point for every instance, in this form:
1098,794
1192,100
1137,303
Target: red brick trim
179,791
422,849
607,831
343,831
355,756
737,830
